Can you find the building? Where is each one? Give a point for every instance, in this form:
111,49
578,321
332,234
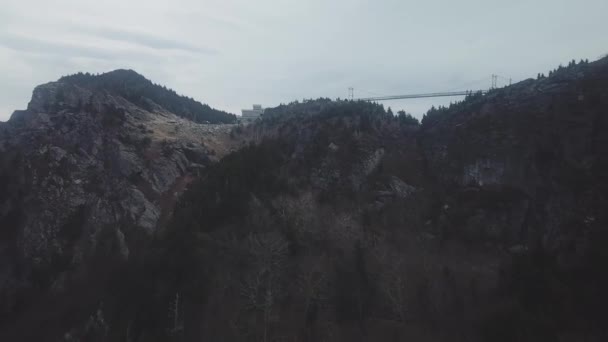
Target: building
252,114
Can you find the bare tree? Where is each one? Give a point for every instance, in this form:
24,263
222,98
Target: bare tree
394,286
261,286
400,278
176,327
312,282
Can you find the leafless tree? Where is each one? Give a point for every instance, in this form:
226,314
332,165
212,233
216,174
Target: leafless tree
176,327
261,286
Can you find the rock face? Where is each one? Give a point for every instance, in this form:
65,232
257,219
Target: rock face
338,222
539,147
85,171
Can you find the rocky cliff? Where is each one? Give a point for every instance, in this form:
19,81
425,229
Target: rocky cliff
484,223
338,222
539,145
85,171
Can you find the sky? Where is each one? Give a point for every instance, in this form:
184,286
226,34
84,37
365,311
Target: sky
231,54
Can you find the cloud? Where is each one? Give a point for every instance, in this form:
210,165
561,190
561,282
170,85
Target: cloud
54,48
101,50
147,40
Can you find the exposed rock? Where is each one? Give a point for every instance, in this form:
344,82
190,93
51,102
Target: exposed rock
372,161
400,188
477,218
57,153
81,162
366,167
140,210
534,152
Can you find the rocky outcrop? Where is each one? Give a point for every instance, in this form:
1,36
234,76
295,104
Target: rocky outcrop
339,220
83,169
534,155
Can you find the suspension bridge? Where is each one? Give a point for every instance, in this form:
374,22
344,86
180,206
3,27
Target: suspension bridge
495,78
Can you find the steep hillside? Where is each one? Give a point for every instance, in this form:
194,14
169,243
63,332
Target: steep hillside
140,91
524,168
485,223
84,173
337,222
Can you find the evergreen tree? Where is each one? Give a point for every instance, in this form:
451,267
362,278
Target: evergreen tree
406,119
140,91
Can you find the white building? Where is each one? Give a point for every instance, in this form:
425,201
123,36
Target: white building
252,114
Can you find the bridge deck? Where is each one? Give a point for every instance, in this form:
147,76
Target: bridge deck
417,96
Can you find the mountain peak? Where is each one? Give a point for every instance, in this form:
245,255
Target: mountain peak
118,74
142,92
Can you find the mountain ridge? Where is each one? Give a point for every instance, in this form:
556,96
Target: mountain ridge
136,88
82,167
324,220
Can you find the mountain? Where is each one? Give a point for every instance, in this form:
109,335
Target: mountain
325,220
91,169
484,223
140,91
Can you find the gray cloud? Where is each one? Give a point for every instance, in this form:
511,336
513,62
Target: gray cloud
53,48
148,40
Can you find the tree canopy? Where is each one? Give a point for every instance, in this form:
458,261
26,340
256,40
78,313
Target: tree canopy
139,90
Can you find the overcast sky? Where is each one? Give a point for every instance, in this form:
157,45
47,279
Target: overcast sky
231,54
